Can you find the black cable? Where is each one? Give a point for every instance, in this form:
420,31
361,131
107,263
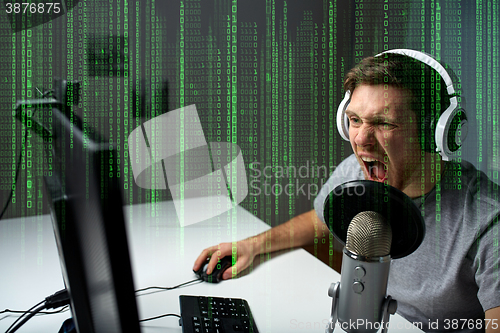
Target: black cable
63,309
166,288
157,317
18,319
58,299
170,288
28,317
61,298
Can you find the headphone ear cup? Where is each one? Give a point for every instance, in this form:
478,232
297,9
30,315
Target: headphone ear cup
457,132
451,135
451,131
342,119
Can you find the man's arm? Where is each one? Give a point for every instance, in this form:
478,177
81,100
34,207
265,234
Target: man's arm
492,317
297,232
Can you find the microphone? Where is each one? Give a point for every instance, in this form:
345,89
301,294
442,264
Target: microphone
360,303
377,223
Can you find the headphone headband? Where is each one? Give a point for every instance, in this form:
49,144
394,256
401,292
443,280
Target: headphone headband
429,61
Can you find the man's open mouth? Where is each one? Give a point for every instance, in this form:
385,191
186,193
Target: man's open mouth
376,170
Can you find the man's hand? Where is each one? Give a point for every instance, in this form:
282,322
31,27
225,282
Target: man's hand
243,250
297,232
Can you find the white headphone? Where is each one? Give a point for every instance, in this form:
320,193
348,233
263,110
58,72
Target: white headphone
451,127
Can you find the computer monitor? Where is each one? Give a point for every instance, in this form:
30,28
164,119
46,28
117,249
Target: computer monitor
88,221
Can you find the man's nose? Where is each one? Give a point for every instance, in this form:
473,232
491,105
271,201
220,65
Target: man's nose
364,135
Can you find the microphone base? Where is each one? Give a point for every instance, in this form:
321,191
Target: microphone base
389,307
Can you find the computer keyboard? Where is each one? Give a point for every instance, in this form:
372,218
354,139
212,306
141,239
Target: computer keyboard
202,314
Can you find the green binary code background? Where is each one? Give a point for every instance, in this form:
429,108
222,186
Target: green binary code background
265,75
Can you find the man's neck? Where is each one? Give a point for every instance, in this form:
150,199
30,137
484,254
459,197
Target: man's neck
433,168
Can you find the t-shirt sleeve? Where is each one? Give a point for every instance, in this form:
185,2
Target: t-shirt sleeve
349,169
487,256
488,267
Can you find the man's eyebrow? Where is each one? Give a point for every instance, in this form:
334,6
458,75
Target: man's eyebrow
379,118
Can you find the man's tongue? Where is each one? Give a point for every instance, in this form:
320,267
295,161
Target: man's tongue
377,171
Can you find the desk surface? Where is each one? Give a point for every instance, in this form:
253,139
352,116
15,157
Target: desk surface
287,292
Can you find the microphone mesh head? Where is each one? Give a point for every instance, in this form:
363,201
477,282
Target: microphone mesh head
369,235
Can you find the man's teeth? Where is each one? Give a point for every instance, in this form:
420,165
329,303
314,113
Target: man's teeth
368,159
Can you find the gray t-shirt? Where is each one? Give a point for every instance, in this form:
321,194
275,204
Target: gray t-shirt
454,276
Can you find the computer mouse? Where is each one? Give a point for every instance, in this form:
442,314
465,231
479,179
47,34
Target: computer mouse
216,275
